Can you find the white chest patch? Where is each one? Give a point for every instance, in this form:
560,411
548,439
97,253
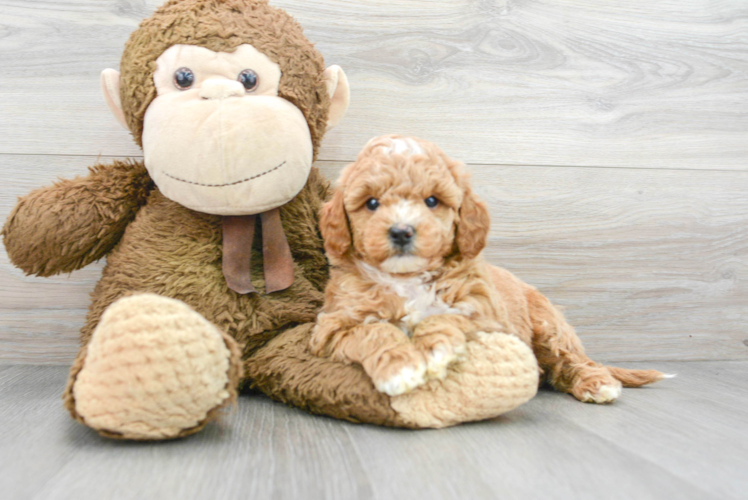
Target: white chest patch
421,300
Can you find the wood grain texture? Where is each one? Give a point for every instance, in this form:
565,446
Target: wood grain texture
649,264
706,407
683,438
543,82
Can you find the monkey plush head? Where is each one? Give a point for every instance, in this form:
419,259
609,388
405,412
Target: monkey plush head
229,101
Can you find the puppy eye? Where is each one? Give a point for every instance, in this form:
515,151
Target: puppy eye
184,78
431,201
372,204
249,79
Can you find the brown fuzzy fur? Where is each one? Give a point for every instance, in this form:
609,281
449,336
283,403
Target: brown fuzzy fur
223,25
73,223
324,386
363,319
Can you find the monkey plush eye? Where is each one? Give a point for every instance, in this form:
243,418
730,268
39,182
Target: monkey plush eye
372,204
184,78
431,202
249,79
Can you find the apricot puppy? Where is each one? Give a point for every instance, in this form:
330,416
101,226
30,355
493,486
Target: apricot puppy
403,232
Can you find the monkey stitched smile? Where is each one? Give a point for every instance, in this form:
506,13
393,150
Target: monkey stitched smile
228,183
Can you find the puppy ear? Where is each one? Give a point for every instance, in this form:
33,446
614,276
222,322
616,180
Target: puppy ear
473,225
333,224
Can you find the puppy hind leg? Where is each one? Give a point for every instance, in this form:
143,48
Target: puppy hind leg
561,355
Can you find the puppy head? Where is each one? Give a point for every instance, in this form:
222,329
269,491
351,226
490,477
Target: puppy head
403,207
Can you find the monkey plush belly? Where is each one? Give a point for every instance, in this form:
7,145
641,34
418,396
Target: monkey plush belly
175,252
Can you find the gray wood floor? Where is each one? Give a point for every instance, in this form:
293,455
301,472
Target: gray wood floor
684,438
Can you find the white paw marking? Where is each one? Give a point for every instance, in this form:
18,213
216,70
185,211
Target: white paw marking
606,394
670,375
437,362
460,351
405,381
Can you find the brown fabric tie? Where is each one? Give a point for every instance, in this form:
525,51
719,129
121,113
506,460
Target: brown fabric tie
238,233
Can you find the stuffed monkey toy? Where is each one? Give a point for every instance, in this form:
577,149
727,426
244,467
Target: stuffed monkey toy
229,102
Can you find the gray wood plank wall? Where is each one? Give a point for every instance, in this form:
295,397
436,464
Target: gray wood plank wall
609,138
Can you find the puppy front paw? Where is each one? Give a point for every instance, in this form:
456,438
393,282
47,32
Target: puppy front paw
397,371
407,379
439,358
440,351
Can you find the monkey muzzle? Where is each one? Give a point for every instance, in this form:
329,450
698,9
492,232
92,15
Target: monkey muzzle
235,157
227,156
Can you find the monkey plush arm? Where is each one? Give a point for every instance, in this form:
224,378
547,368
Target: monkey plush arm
72,223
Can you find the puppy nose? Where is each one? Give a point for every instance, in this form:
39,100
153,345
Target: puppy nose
402,234
221,88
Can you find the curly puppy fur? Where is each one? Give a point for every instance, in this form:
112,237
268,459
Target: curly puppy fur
404,232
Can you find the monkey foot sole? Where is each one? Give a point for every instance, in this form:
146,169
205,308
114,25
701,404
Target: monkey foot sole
498,373
154,369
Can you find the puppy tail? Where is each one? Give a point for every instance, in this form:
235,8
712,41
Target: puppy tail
637,378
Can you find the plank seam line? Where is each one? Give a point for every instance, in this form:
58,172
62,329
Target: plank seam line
525,165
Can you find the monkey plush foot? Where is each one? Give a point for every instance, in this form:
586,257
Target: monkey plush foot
497,373
153,369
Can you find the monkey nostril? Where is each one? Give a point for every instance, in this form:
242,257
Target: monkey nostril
402,234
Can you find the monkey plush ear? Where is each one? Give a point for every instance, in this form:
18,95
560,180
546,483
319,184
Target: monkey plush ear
340,94
110,89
